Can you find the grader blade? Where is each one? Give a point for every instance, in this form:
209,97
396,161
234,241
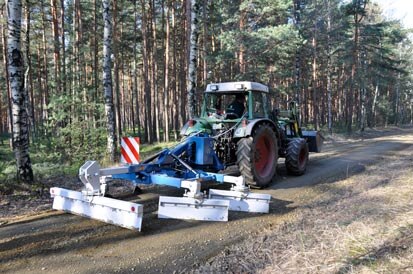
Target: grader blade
193,209
117,212
243,201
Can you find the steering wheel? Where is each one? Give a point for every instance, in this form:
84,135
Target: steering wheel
231,115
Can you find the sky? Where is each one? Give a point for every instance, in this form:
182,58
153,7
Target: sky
398,9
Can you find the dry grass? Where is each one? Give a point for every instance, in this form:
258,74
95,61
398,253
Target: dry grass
363,224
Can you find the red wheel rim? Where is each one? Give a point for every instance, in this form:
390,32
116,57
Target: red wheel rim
264,156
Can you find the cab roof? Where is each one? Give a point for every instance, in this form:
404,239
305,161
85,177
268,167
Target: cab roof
236,87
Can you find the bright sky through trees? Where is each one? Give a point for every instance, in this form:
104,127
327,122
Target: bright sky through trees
398,9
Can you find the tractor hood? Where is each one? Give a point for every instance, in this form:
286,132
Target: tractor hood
196,125
205,125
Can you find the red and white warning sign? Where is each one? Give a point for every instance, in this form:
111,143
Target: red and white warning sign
130,150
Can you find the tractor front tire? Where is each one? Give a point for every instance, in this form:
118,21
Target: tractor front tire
257,156
296,158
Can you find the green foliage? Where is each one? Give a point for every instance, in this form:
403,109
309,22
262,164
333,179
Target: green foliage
7,161
79,141
148,150
264,35
267,40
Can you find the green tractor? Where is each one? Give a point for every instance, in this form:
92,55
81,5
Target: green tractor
250,135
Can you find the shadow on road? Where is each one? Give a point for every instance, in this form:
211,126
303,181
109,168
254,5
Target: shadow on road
68,233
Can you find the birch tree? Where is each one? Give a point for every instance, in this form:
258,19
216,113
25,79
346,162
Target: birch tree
193,49
16,78
107,80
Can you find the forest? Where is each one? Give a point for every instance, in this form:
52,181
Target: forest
347,65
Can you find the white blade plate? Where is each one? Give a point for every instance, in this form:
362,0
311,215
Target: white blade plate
117,212
192,209
239,201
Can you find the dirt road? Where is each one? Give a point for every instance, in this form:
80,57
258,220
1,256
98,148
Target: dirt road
61,243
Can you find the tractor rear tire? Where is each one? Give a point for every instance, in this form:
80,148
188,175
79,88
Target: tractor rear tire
296,158
257,157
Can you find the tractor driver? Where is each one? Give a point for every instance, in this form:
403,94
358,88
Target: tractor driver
237,106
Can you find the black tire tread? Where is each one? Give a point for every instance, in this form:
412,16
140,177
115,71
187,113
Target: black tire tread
245,158
292,156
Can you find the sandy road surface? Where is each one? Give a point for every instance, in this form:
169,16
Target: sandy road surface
63,243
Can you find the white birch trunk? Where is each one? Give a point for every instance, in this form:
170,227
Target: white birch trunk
191,86
107,80
16,78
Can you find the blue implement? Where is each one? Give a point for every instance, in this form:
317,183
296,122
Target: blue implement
190,165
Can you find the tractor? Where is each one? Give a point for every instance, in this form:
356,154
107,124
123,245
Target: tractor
242,132
253,136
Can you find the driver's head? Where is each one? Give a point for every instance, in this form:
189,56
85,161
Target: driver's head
240,98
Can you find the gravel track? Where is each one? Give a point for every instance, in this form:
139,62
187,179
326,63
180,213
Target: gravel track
53,242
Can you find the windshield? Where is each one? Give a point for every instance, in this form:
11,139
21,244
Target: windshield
231,106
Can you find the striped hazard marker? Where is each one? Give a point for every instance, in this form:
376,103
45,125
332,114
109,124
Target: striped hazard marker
130,150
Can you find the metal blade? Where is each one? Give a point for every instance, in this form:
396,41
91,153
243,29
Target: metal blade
193,209
121,213
240,201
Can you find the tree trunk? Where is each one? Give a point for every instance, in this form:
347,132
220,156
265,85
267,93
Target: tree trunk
145,76
204,42
107,79
45,76
115,53
241,53
363,94
95,61
174,84
359,6
6,72
135,72
166,79
20,115
28,79
182,56
396,105
63,77
329,88
374,104
192,62
154,68
297,84
315,78
411,111
56,44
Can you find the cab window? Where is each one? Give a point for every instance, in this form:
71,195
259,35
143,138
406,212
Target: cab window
258,105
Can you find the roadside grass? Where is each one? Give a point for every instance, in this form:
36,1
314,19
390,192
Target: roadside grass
362,224
45,164
146,150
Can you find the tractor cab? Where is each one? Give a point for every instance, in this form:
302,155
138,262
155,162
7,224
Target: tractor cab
231,109
234,101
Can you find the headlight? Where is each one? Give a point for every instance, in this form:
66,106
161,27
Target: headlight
239,132
217,126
